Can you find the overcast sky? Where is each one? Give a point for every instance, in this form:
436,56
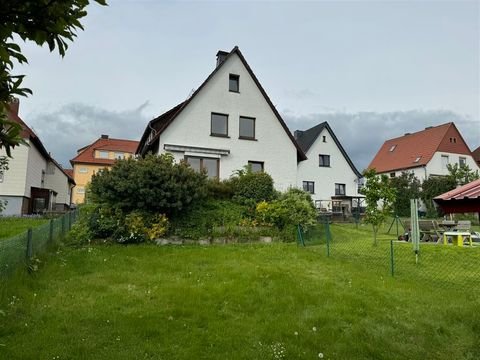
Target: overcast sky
373,70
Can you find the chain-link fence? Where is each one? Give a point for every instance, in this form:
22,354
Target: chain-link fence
20,249
437,263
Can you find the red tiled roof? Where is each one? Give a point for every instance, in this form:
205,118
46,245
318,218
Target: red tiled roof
467,191
476,155
417,149
86,154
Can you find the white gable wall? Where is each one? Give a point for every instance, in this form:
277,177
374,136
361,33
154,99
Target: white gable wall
326,177
58,182
272,145
35,166
14,178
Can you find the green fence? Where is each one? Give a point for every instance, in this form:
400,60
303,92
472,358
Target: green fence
435,264
19,250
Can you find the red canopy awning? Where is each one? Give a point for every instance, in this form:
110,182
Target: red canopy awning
463,199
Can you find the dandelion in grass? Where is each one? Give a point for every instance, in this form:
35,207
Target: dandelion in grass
296,333
320,355
314,329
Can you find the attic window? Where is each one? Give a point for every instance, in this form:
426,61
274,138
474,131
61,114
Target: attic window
453,140
324,139
392,148
417,159
233,83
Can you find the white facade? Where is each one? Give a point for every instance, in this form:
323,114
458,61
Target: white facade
325,177
192,128
36,169
58,181
13,182
437,165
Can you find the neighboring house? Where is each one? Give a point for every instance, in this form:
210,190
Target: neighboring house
34,182
228,122
328,173
476,155
425,153
101,154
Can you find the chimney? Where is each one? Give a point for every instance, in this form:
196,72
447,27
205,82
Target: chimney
221,55
297,134
14,105
104,136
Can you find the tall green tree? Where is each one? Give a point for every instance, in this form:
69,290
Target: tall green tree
461,174
51,22
407,187
379,199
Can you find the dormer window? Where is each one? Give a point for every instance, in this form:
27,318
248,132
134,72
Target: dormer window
234,83
102,154
393,148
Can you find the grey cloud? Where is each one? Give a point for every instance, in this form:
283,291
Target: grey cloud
362,134
76,125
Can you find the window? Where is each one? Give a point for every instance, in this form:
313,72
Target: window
392,174
256,166
339,189
417,159
83,170
103,154
324,160
119,155
453,140
247,128
219,125
233,83
210,165
324,138
444,161
462,161
393,148
309,186
80,190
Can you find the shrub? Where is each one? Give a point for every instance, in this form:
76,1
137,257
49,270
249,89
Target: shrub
252,187
219,189
139,226
294,207
154,184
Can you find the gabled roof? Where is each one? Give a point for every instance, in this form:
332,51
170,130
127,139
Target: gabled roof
86,154
28,133
307,138
417,149
467,191
476,155
160,123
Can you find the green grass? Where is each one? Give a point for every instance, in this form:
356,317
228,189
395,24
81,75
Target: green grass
230,302
11,226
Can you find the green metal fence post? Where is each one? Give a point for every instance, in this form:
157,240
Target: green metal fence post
29,253
50,234
392,259
300,235
63,225
327,231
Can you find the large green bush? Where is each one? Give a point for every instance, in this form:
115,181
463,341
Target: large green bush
252,187
154,184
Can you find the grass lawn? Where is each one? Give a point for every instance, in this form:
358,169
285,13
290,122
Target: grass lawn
251,301
11,226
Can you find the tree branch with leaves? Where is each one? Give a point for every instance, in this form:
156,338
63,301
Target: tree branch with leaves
51,22
379,199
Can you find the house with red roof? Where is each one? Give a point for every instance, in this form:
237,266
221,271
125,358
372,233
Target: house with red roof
425,153
34,181
100,154
476,155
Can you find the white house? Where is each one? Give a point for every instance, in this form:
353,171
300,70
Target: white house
327,173
227,123
425,153
34,181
